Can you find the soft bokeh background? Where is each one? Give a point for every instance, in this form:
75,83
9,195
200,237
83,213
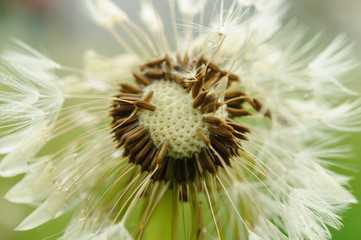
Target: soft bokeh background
61,30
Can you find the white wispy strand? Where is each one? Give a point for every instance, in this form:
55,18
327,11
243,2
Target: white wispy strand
270,12
27,60
228,23
253,236
29,107
80,230
56,201
268,230
149,17
36,186
337,53
191,7
104,72
309,213
105,13
345,117
58,194
46,211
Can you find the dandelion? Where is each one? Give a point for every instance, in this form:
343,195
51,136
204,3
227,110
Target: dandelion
221,123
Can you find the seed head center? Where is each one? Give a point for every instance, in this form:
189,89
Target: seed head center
174,119
176,125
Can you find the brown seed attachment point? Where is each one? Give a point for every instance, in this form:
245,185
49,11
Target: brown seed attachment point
127,88
153,63
148,96
204,137
153,73
145,105
142,80
160,155
237,126
220,131
200,100
234,94
238,112
212,120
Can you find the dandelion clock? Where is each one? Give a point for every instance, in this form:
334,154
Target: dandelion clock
214,121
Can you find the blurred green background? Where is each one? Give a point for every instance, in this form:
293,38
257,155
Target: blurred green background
61,30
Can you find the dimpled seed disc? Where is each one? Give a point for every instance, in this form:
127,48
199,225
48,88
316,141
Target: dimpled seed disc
174,119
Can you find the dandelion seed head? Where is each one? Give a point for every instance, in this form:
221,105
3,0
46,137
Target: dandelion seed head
228,120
